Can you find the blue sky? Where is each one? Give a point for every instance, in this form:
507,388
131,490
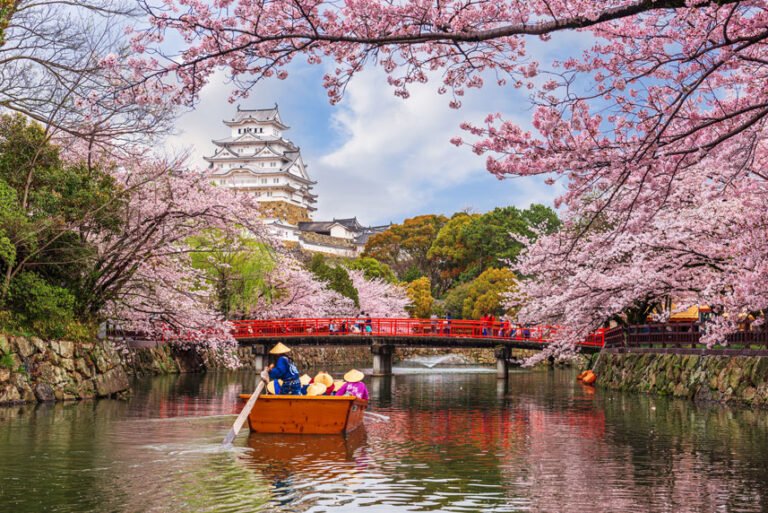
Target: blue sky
376,156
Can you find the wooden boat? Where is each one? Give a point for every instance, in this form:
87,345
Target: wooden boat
301,414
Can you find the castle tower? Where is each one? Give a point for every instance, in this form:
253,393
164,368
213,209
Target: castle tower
255,158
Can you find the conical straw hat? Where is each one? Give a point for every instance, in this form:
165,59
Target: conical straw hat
316,389
353,376
271,387
338,384
304,380
280,348
324,378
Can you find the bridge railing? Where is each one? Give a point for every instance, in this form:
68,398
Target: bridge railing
443,328
680,336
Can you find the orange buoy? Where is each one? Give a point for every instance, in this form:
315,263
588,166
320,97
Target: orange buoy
581,375
589,378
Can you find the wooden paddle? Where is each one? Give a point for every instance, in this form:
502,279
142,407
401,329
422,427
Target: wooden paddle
243,414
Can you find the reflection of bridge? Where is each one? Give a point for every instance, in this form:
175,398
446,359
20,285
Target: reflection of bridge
383,335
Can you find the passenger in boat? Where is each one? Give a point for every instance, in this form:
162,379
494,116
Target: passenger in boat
283,369
354,385
316,389
305,380
327,380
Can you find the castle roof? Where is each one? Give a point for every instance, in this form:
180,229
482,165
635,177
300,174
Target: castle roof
257,115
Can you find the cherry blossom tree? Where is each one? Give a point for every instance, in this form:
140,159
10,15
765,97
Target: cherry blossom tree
68,65
141,275
296,293
662,119
379,298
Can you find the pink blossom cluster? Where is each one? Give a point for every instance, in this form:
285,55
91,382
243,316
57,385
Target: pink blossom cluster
143,271
379,298
296,293
657,130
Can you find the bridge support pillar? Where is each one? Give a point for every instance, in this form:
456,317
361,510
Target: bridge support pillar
259,352
382,359
502,361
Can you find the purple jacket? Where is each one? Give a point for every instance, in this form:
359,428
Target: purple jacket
357,389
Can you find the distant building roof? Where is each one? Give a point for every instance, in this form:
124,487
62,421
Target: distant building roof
316,227
258,115
351,223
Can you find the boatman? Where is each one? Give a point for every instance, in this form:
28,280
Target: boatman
283,369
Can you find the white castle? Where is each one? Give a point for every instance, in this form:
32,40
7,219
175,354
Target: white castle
256,159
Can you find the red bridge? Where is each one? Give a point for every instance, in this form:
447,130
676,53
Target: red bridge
383,335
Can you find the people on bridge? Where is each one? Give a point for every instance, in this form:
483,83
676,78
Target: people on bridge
284,369
354,385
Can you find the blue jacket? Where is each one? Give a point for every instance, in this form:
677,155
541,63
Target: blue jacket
284,369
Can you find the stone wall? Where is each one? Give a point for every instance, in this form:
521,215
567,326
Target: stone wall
725,379
349,356
32,369
162,359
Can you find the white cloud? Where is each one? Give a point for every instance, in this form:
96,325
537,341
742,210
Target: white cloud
376,156
396,159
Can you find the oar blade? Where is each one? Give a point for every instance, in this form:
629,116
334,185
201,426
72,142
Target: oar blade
230,437
240,420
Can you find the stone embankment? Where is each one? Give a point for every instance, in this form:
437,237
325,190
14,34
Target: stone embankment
32,369
724,379
352,356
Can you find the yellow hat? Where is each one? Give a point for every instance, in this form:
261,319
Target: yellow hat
271,386
304,380
353,376
338,384
280,348
324,378
316,389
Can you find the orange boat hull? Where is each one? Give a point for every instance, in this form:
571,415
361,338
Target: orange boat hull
307,415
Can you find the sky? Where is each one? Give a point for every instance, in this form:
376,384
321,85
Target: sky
373,155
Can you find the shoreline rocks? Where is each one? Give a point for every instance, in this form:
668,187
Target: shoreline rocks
705,378
32,369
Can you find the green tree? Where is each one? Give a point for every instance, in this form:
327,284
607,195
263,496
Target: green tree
49,209
490,239
450,252
45,308
237,269
454,300
420,293
486,293
336,277
372,268
405,246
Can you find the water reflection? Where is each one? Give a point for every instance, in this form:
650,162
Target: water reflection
455,442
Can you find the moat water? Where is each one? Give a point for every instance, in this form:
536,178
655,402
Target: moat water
455,441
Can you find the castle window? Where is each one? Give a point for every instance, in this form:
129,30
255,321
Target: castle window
276,180
273,164
263,180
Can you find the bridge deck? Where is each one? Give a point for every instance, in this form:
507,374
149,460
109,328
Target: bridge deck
438,333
